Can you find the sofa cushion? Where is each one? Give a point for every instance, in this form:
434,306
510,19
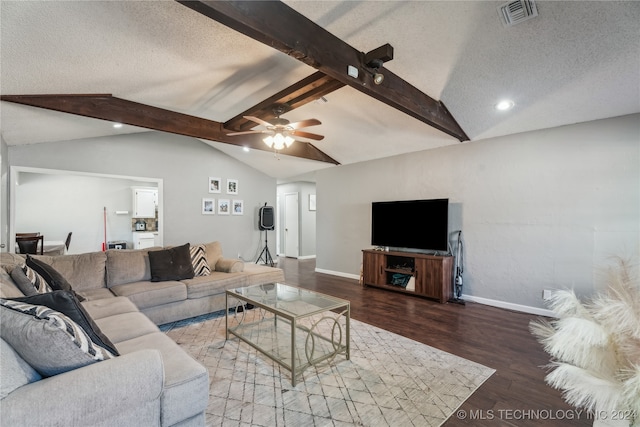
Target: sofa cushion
261,274
171,264
47,340
54,279
82,271
127,265
199,260
149,294
22,282
101,308
94,294
15,371
227,265
66,303
214,284
184,376
119,326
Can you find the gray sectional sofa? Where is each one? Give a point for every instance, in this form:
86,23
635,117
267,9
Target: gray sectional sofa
152,381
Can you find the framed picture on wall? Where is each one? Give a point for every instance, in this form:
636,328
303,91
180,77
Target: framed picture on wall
215,185
223,207
238,207
232,186
312,202
208,206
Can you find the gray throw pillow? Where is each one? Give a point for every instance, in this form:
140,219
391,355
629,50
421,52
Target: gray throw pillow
66,303
22,281
40,285
47,340
171,264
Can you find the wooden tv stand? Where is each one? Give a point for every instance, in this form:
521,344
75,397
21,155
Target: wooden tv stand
432,273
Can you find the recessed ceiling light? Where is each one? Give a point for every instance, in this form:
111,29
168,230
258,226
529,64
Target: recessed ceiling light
504,105
117,125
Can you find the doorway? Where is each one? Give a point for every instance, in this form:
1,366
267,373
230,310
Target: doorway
291,225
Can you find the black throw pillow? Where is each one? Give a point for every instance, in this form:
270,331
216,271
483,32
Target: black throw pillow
56,281
66,303
171,264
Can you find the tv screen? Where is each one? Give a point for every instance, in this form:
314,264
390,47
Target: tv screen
411,224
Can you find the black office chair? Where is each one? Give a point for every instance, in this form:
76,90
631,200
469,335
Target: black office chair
29,245
68,241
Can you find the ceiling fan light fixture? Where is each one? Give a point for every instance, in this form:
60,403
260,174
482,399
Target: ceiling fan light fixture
278,141
288,141
269,141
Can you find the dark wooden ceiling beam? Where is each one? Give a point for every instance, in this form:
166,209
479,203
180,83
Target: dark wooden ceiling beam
108,107
281,27
306,90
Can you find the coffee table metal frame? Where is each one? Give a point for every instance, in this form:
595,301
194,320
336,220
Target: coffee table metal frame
290,305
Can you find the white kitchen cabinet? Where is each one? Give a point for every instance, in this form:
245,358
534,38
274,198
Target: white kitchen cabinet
143,240
145,201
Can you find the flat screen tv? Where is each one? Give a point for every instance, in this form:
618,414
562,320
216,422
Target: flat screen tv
411,224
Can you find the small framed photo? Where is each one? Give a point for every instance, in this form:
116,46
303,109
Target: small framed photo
232,186
312,202
238,207
215,184
208,206
223,206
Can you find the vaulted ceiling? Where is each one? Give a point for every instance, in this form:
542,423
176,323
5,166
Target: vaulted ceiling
576,61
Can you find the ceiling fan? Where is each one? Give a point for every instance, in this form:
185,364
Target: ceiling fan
280,131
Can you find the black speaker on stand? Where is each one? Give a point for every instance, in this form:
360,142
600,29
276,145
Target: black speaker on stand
266,223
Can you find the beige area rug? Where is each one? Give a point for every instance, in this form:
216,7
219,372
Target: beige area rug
389,380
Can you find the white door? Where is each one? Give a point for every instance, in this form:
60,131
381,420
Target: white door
291,225
278,227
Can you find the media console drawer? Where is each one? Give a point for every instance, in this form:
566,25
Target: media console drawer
432,274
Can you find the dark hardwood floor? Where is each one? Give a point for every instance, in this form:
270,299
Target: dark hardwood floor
515,395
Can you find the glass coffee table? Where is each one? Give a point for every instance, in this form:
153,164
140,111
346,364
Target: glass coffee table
297,328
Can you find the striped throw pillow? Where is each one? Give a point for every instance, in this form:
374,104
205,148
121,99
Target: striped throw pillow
41,286
48,340
199,260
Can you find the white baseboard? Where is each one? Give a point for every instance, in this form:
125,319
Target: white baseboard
509,306
486,301
307,257
338,273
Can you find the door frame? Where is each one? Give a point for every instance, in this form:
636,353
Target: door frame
14,173
292,222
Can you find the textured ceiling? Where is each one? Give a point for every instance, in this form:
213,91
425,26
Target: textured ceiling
577,61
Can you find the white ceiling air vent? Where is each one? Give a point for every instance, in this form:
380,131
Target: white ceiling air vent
517,11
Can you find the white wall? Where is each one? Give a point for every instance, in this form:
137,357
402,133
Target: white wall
543,209
184,165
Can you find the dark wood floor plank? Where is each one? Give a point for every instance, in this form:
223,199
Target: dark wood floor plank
516,395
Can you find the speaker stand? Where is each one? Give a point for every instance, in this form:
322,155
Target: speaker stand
265,252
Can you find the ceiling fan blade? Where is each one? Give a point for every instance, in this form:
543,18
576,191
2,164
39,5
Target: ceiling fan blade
258,120
247,132
307,135
304,123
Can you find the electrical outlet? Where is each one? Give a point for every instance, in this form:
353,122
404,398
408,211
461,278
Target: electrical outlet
546,294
